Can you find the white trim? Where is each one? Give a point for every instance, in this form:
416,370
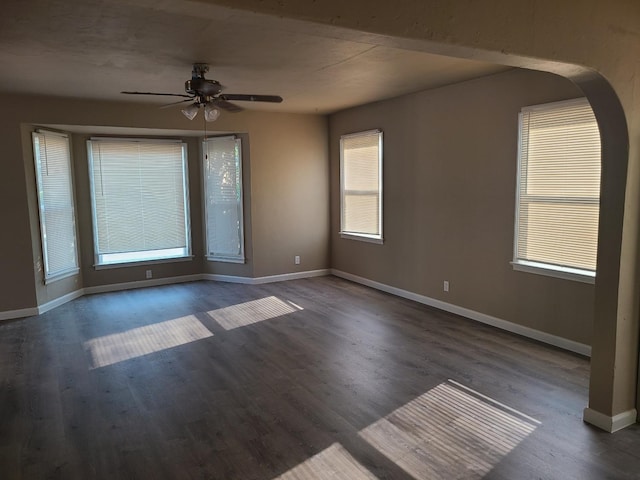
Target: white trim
544,337
21,313
566,273
45,307
362,237
154,282
291,276
188,254
239,160
114,287
213,258
110,139
62,275
607,423
50,132
138,263
215,277
551,105
37,138
268,279
521,263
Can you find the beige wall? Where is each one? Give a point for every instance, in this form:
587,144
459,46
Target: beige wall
288,188
450,159
281,178
290,192
16,260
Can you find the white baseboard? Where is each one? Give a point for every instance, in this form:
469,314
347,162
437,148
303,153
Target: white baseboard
153,282
268,279
471,314
226,278
45,307
610,424
291,276
204,276
21,313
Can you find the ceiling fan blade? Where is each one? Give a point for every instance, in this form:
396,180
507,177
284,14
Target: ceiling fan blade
228,106
163,94
173,104
251,98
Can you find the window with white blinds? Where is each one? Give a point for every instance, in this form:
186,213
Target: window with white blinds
55,202
223,199
139,194
361,186
558,188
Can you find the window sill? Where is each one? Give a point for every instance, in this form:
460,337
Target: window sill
566,273
226,259
137,263
362,238
60,276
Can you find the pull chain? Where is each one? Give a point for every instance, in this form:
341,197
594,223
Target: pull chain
206,153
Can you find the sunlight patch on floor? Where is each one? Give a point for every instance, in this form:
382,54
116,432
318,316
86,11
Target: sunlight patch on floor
449,432
118,347
255,311
333,463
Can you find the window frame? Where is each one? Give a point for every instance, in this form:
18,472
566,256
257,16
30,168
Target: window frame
545,268
364,237
50,277
188,250
211,257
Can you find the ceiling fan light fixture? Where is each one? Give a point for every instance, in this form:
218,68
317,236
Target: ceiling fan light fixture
191,111
208,94
211,112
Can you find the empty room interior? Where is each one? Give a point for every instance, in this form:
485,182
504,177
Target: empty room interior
314,240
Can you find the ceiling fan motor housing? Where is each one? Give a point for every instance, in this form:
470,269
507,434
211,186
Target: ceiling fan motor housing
202,87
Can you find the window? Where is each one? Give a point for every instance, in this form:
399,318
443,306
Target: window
139,196
361,186
558,190
223,199
55,202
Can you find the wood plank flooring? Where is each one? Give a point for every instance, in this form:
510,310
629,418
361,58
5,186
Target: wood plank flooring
308,379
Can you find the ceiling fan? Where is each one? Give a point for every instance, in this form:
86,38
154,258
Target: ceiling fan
206,94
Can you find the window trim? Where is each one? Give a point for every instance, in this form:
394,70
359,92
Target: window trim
556,271
363,237
534,267
241,257
71,271
97,265
140,263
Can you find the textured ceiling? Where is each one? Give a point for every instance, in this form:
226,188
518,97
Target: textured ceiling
97,48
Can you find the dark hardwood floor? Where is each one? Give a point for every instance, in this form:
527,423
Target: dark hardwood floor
310,379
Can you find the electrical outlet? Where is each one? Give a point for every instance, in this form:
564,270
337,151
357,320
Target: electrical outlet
149,274
296,259
445,286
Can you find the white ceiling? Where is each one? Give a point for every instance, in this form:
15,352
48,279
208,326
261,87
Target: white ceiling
97,48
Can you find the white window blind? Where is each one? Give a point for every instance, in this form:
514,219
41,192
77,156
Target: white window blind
223,202
55,201
140,200
558,187
361,184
